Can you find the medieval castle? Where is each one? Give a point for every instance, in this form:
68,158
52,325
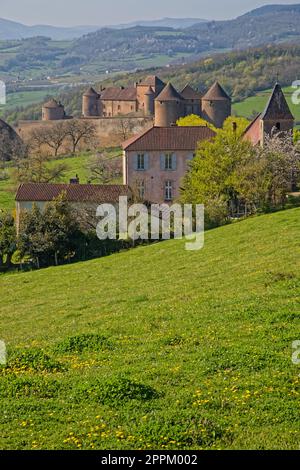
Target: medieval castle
151,99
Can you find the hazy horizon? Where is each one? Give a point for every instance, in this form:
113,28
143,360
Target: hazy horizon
92,12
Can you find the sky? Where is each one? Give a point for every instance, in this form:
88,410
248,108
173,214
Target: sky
108,12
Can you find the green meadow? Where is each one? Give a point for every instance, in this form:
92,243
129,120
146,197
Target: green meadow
158,347
256,104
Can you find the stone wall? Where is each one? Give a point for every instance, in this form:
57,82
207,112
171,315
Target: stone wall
110,131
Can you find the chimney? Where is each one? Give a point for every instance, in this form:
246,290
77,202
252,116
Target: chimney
234,127
74,180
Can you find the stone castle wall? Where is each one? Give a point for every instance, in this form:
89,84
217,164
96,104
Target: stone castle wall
110,131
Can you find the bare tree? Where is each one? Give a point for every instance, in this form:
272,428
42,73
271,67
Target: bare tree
126,127
39,169
104,169
79,130
52,136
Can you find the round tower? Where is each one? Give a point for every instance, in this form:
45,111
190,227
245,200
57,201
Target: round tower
53,111
169,107
216,105
90,103
149,102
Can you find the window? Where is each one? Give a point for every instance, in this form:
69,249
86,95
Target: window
168,161
168,191
278,126
141,161
141,189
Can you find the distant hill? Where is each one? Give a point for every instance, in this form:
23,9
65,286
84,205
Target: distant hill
176,23
10,30
266,25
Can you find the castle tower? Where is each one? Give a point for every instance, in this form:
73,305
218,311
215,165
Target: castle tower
53,111
277,116
216,105
149,102
91,103
169,107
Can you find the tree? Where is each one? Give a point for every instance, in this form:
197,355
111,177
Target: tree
126,127
52,136
51,235
79,130
194,120
103,169
7,238
38,168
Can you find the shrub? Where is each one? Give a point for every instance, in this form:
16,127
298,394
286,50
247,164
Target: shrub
33,359
84,342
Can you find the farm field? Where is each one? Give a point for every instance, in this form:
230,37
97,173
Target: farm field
256,104
77,165
25,98
158,348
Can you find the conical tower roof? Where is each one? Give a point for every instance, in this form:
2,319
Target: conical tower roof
91,92
277,107
52,104
216,93
169,94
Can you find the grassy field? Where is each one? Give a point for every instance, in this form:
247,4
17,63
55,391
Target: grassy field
25,98
77,165
158,348
256,104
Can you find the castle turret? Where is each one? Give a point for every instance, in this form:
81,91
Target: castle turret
53,111
169,107
91,103
149,102
216,105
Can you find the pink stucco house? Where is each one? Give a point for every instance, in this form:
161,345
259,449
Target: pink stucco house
155,161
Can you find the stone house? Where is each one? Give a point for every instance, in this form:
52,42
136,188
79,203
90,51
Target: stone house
155,162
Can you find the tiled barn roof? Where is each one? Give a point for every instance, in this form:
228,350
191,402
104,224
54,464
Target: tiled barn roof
169,138
74,192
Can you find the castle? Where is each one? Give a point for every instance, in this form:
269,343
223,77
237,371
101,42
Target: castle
150,99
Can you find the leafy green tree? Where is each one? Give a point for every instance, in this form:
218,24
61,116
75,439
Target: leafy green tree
7,238
194,120
49,236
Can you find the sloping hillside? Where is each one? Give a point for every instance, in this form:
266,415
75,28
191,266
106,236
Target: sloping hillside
194,349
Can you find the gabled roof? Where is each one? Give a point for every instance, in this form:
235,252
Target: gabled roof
91,92
277,107
45,192
52,104
188,93
169,94
152,81
119,94
216,93
169,138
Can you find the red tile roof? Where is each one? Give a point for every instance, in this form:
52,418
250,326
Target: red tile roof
44,192
216,92
169,138
119,94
